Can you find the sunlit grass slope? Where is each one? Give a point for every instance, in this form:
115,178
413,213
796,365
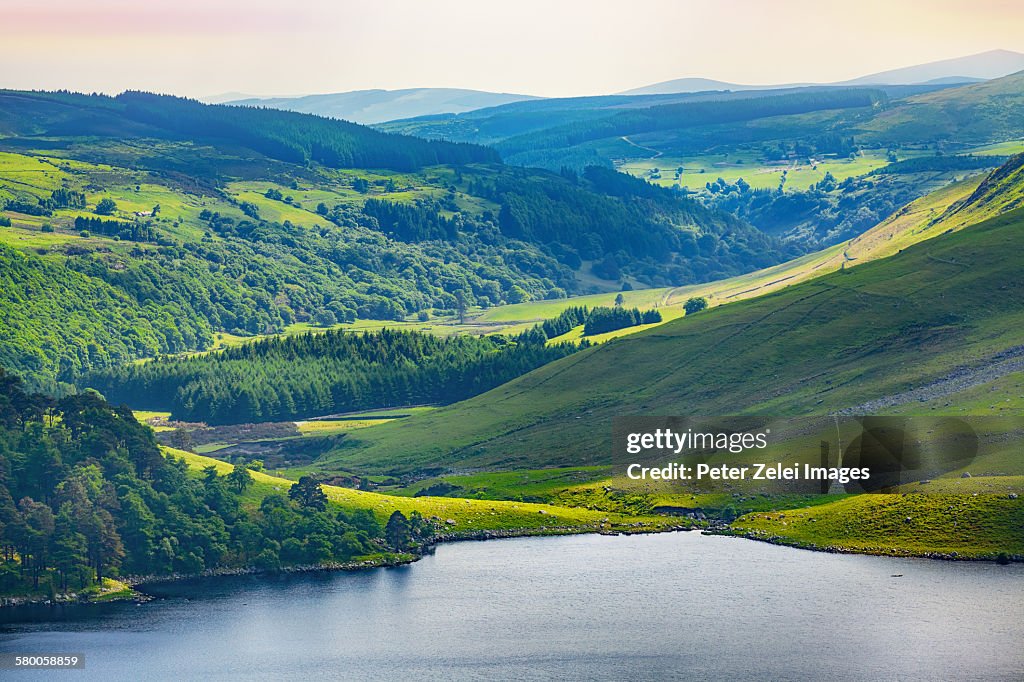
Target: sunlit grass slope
916,222
467,515
826,344
968,526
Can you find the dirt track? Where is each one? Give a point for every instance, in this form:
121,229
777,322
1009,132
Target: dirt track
999,365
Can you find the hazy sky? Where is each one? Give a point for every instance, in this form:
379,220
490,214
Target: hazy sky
541,47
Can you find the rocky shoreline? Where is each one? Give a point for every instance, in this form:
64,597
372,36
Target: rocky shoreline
381,562
479,536
762,536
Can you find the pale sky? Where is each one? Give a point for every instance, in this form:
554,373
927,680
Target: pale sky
539,47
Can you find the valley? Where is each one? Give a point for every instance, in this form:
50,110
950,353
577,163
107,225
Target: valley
343,349
566,464
478,341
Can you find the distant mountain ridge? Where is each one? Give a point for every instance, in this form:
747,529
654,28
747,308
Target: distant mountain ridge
377,106
679,85
981,66
972,68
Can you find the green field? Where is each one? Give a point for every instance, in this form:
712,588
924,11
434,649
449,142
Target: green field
800,174
330,427
1008,148
731,166
536,311
965,526
528,485
468,515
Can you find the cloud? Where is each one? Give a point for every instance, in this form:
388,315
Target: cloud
110,20
542,47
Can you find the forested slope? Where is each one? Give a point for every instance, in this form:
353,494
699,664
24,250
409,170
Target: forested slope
158,221
311,375
282,135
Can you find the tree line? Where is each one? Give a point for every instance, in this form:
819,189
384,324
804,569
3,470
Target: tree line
44,206
417,222
85,493
134,231
604,320
597,320
689,114
308,375
299,138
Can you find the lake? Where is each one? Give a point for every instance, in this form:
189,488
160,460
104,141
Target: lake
645,607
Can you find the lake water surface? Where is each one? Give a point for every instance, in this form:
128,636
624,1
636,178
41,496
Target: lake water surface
648,607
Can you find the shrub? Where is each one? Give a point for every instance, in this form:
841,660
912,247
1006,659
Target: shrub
695,305
106,206
325,318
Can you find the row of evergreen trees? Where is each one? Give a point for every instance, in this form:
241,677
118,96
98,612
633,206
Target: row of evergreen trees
85,493
133,231
566,321
39,206
66,198
597,320
298,138
315,374
417,222
603,320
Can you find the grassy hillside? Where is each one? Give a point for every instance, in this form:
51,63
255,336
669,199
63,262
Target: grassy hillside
1001,191
872,330
965,526
468,515
833,342
946,209
971,114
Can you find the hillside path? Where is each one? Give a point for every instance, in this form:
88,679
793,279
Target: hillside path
997,366
640,146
